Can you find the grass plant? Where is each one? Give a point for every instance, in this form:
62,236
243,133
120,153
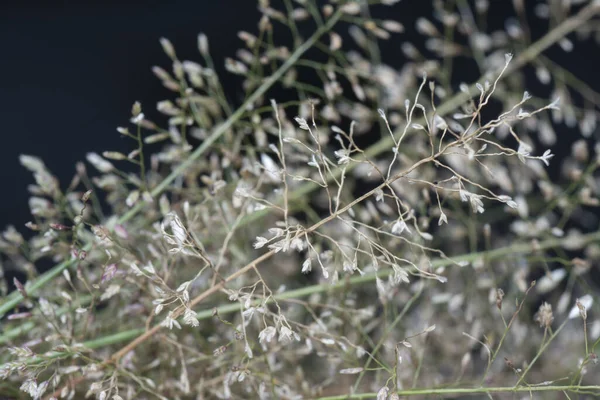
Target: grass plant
344,230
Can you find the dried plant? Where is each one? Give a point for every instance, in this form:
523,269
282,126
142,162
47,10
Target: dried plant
385,232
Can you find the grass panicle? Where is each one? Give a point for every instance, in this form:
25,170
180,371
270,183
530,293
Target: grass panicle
349,230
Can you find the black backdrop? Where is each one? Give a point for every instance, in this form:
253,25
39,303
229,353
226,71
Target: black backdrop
70,71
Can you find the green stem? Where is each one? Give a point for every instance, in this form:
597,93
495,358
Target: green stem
541,351
142,163
385,335
25,327
455,391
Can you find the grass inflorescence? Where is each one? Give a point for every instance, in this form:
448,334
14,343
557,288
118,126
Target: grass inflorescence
261,250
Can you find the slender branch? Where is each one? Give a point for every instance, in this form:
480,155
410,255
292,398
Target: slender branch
540,352
142,338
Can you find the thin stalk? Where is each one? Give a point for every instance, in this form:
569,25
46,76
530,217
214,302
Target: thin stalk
573,81
384,337
25,327
541,351
470,391
142,162
505,334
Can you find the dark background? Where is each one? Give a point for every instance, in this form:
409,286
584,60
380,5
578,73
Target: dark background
70,71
